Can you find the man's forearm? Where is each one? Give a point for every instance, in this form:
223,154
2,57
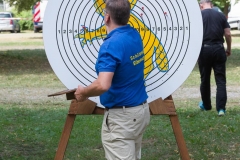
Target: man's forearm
99,86
228,37
94,89
229,42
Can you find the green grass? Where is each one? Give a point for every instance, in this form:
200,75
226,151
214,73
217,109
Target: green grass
30,133
233,71
32,68
236,39
26,68
235,36
34,134
31,129
20,43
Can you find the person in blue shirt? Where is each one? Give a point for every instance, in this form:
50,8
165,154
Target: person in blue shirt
120,85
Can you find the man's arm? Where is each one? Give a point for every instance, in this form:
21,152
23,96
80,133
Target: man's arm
228,37
98,87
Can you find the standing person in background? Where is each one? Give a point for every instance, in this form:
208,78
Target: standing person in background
120,84
214,56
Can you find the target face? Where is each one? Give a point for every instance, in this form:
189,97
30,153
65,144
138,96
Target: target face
171,32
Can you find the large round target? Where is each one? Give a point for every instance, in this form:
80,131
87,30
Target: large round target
171,32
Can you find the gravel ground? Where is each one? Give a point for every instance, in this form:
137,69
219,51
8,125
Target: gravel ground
30,95
37,95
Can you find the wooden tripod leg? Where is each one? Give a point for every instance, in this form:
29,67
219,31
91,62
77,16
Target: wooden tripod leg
179,137
65,136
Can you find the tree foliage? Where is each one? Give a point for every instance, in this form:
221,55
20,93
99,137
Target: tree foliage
224,5
22,5
26,23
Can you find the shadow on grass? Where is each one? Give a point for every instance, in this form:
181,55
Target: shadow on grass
18,62
36,62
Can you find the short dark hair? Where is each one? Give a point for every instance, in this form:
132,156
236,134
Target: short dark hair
119,10
205,1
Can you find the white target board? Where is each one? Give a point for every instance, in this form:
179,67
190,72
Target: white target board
171,31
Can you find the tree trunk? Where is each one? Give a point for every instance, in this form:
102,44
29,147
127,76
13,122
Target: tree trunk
225,10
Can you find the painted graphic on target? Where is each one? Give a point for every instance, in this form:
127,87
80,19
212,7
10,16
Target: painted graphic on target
171,31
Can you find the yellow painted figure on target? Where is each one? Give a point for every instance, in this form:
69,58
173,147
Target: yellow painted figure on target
153,49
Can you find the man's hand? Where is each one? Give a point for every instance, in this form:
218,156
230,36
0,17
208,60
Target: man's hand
79,94
228,52
98,87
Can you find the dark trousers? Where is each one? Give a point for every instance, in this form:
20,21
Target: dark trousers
213,57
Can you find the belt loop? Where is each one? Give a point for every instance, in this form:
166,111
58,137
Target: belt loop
124,109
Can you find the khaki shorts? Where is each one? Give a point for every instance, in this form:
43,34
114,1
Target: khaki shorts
122,132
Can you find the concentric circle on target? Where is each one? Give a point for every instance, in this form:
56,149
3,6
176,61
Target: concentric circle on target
171,32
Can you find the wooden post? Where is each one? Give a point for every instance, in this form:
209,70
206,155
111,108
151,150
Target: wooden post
157,107
65,137
178,134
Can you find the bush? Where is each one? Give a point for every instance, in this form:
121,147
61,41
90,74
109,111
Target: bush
26,22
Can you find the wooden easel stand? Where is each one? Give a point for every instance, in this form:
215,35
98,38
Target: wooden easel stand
157,107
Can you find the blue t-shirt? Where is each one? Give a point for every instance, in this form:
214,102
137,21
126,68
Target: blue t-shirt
122,53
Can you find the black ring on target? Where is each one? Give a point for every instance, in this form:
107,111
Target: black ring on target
175,59
167,39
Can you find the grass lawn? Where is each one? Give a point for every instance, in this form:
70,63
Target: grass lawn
31,123
20,43
33,133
